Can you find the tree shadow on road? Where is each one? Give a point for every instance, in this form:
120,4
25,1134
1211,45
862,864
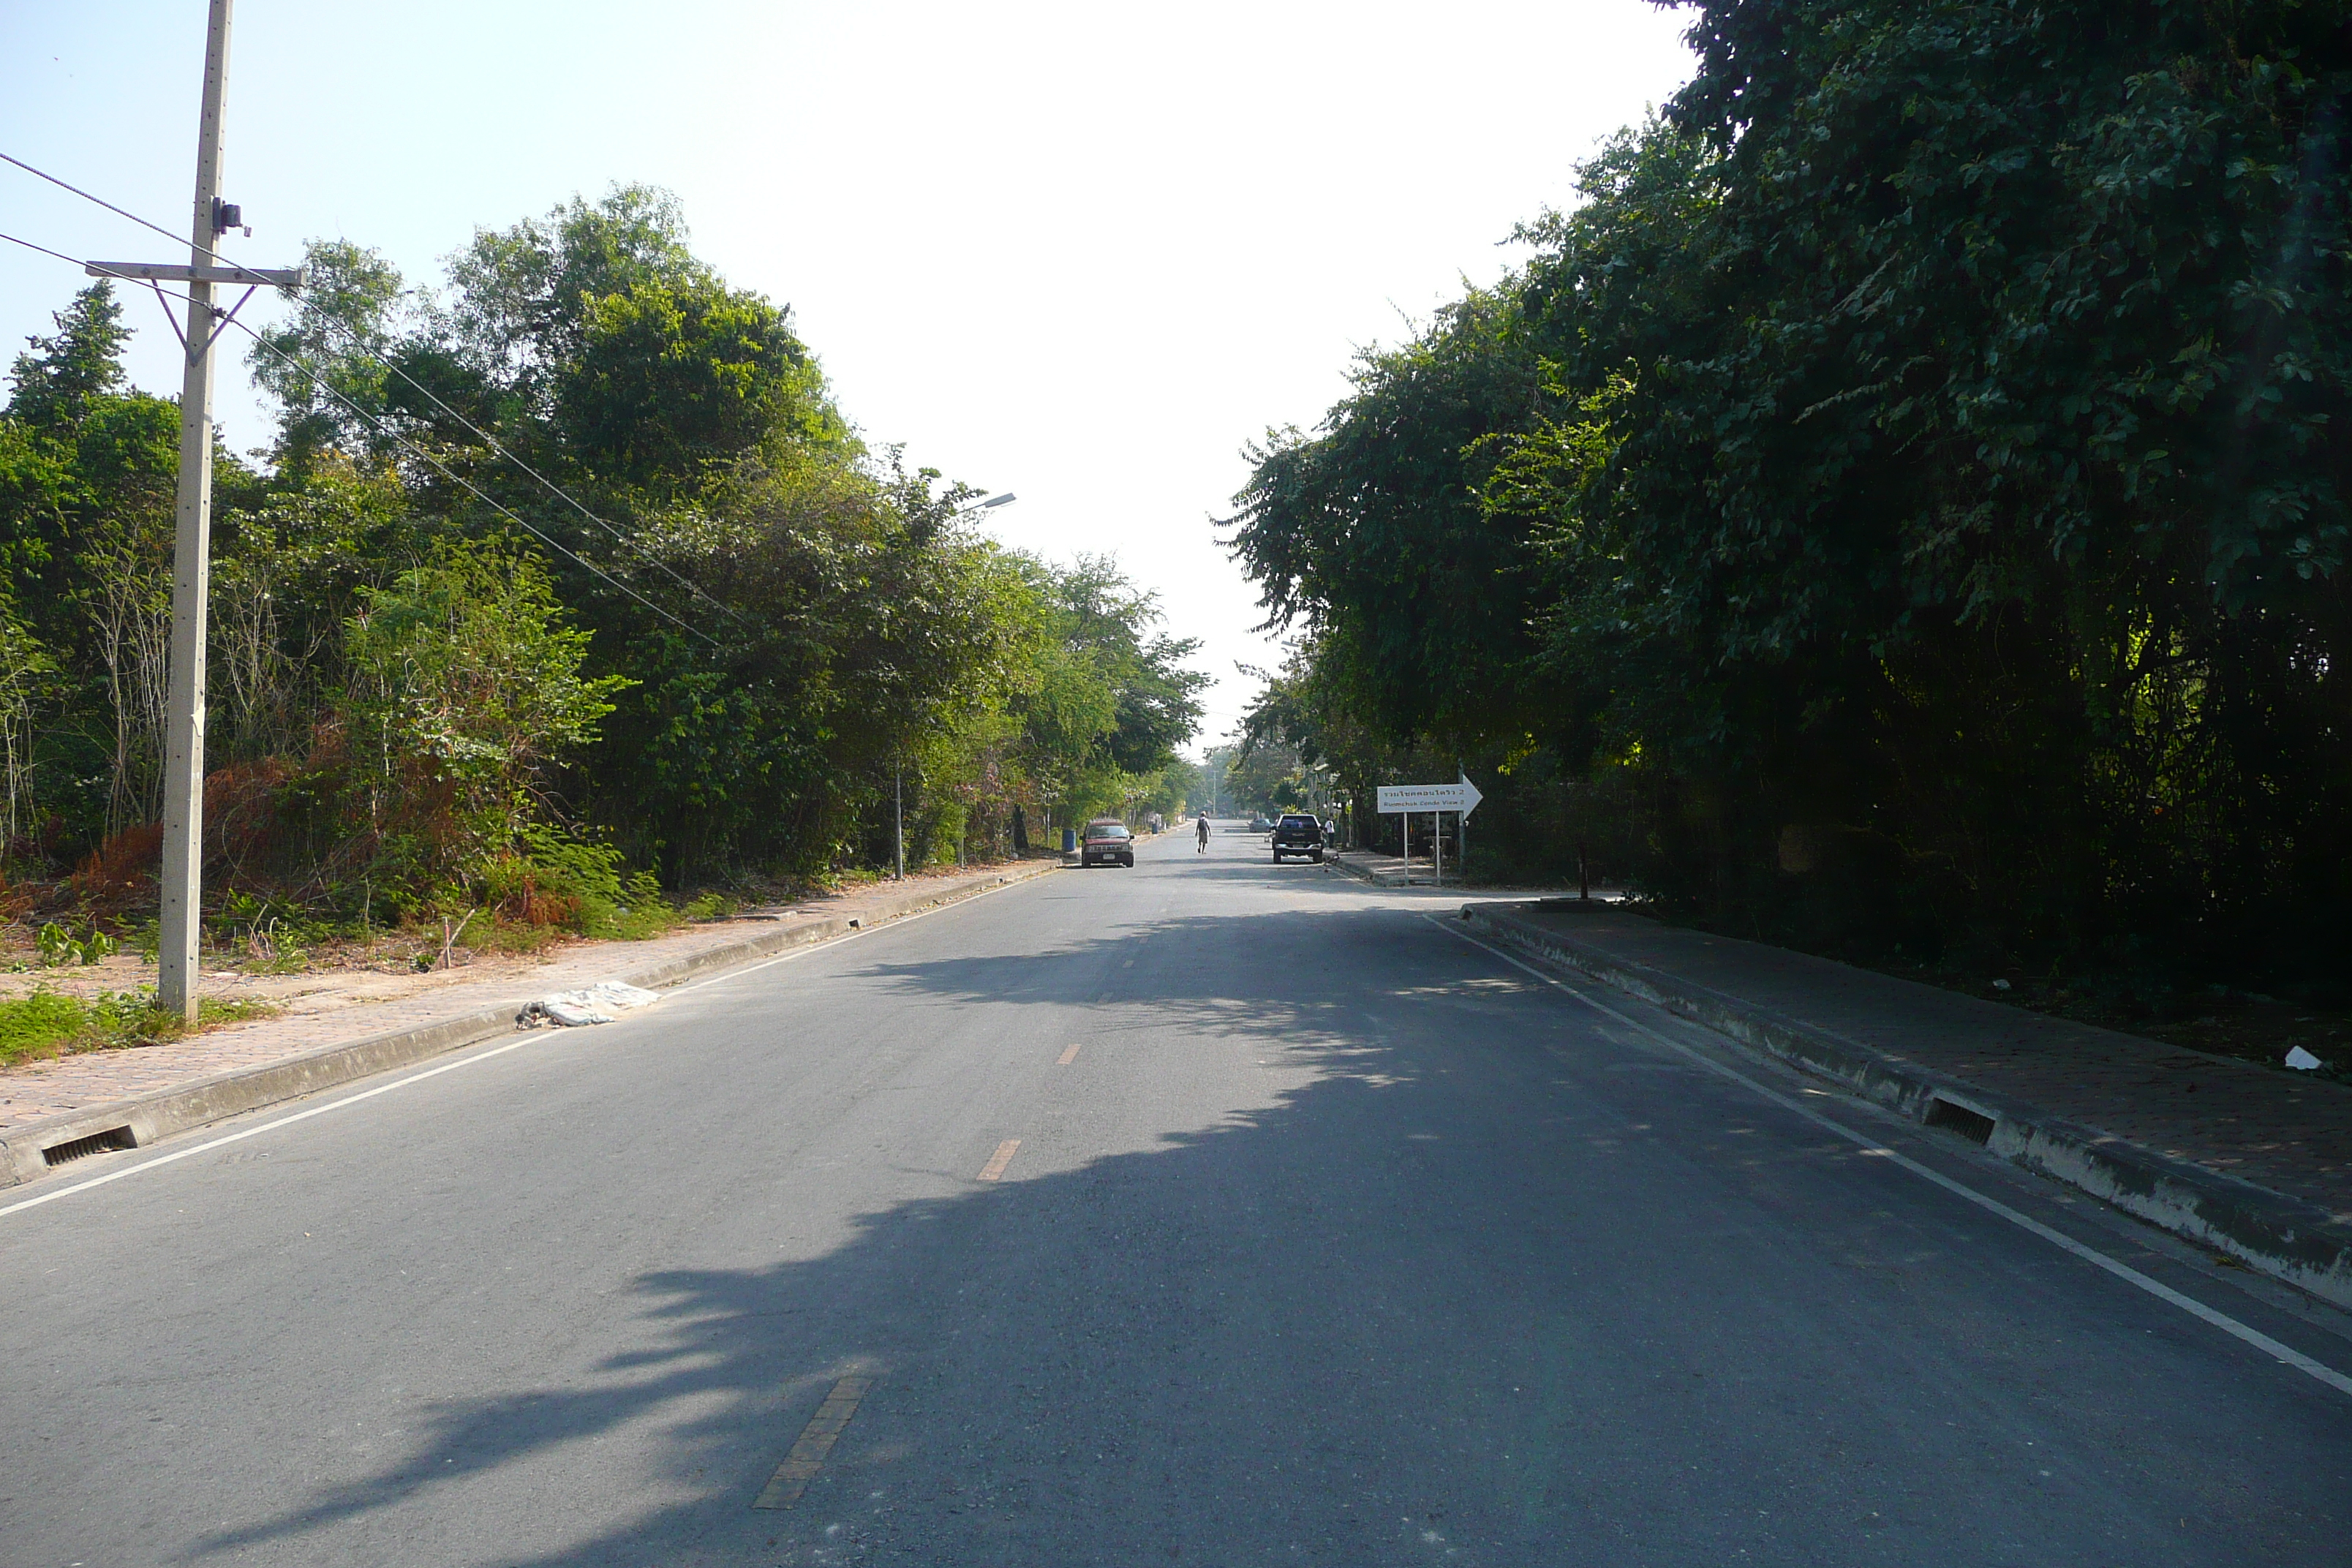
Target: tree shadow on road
1389,1310
1120,1308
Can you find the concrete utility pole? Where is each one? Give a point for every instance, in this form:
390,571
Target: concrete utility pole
184,746
183,741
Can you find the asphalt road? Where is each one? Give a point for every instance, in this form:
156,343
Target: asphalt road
1317,1235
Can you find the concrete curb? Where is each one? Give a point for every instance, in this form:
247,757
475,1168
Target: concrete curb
137,1122
2296,1241
1366,874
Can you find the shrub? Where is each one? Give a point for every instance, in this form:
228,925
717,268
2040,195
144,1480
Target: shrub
58,947
586,882
39,1024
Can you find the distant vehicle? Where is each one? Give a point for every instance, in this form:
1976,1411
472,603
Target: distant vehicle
1299,833
1107,844
1258,824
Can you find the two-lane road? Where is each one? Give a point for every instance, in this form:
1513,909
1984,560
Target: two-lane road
1207,1213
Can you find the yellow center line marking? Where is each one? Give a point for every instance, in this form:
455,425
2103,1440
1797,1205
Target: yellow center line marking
816,1440
1069,1054
995,1169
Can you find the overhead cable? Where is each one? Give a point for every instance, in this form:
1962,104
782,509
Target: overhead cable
109,207
476,490
361,342
372,352
395,436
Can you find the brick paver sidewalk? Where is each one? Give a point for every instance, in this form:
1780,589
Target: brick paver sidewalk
335,1009
2289,1133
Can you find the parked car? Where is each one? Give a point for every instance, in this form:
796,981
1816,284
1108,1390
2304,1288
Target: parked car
1299,833
1107,844
1258,824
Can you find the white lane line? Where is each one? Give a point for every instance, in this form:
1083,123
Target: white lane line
213,1143
2058,1239
178,1154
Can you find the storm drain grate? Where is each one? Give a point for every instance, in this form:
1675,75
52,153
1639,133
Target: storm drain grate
105,1143
1972,1125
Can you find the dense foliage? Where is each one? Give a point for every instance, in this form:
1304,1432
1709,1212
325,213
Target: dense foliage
1903,504
572,566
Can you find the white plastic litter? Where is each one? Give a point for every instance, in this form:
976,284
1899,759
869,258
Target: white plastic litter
2296,1056
597,1003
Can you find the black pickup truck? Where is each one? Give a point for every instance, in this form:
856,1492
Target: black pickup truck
1299,833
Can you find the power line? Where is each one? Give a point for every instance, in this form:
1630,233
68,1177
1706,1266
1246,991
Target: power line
459,479
60,255
473,488
361,342
101,201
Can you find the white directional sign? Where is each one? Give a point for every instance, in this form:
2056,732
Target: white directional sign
1462,797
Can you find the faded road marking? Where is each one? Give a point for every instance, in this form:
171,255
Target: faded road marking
1069,1055
816,1440
995,1169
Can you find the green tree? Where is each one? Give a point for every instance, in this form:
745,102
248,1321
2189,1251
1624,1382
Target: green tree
466,690
673,378
1912,444
57,381
521,296
327,363
1109,700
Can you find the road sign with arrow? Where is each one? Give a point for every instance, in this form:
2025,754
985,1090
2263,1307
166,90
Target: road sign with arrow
1463,797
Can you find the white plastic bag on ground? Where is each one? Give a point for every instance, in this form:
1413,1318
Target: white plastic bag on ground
2296,1056
597,1003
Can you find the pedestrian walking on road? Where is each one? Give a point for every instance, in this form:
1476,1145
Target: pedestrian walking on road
1201,836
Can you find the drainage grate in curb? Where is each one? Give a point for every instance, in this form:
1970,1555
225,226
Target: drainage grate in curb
105,1143
1975,1126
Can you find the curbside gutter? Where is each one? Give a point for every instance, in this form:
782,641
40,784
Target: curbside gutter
139,1121
2296,1241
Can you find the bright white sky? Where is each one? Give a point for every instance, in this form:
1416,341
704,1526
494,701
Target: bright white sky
1083,253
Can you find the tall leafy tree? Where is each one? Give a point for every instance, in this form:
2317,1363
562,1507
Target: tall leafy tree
1923,489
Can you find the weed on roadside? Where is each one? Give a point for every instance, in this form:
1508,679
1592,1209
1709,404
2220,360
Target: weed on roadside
38,1026
60,949
50,1023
